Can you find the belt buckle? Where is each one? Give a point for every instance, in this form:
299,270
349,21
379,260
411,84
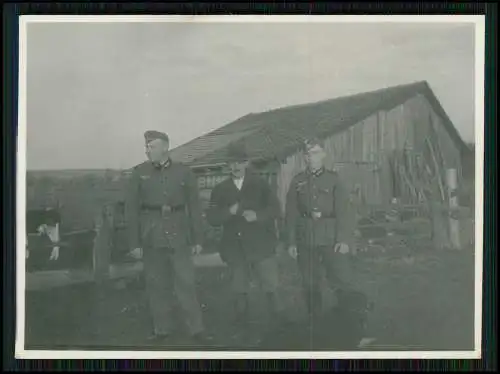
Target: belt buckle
165,209
316,215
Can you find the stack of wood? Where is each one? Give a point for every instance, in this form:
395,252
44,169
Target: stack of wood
420,179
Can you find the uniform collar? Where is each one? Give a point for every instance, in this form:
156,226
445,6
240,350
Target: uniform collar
163,164
238,178
317,172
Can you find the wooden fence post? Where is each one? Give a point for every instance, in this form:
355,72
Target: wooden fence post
451,182
440,229
102,245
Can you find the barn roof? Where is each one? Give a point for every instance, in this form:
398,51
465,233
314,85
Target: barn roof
277,133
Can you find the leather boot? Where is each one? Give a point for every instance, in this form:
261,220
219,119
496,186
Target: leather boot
241,309
313,303
271,310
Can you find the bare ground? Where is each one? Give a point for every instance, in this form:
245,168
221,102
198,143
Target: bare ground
424,302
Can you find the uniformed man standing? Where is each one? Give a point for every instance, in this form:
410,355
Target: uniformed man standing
164,218
246,208
319,225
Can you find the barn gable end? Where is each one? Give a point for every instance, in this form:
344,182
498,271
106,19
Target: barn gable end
361,153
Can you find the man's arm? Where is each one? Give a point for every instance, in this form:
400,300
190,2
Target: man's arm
132,209
194,207
217,213
270,204
291,213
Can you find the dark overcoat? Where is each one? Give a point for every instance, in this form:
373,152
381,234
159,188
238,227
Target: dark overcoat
241,240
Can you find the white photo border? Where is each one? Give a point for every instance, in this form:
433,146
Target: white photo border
22,353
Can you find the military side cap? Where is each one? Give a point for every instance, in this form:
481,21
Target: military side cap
151,135
237,152
312,142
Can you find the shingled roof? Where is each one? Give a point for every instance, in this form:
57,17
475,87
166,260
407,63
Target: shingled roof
277,133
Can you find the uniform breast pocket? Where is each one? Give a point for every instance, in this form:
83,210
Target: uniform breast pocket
175,194
151,190
302,195
325,199
146,183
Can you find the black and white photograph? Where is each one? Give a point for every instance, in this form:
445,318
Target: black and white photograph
250,187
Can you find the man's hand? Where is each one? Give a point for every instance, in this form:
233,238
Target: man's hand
197,249
54,255
234,209
341,248
316,215
250,215
136,253
292,251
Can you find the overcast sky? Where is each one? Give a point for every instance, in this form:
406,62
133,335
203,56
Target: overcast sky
93,89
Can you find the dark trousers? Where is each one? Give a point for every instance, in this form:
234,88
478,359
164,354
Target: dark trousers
318,264
168,274
266,271
321,264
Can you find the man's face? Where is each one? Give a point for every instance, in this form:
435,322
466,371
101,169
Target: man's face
238,168
157,150
315,156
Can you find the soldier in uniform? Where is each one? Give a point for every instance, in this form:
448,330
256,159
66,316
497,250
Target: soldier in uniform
246,208
319,225
164,218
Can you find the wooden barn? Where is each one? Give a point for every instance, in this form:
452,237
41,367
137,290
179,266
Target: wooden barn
386,144
392,144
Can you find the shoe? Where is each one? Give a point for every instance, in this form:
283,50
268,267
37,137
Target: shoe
241,311
366,342
201,338
157,338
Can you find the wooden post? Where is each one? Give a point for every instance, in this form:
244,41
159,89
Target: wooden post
102,246
451,182
440,237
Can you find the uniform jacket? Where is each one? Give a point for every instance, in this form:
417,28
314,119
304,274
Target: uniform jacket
323,193
162,207
242,240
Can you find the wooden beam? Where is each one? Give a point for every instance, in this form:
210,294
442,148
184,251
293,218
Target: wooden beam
452,181
437,169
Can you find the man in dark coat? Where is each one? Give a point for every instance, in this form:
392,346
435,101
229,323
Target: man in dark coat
164,220
246,207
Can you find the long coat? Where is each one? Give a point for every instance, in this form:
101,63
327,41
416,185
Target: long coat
162,207
244,241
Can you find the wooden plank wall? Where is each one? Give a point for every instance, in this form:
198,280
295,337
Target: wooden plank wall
361,153
353,153
421,116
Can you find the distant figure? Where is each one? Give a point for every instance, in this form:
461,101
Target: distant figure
319,222
246,208
164,220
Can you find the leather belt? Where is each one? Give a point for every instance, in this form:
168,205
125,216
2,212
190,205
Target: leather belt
163,208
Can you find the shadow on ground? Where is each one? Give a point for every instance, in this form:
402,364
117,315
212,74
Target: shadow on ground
424,301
